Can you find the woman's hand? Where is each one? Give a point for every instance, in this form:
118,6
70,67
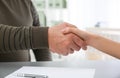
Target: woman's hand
81,34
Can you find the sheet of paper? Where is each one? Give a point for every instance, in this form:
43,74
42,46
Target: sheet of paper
55,72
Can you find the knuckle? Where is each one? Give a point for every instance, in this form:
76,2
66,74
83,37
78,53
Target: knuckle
65,54
77,48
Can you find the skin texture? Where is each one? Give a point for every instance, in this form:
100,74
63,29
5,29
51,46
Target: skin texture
101,43
64,44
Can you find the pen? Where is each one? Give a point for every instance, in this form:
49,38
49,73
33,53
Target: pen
31,75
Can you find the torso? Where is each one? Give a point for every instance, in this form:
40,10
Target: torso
15,13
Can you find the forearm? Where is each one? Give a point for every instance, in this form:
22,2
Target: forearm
21,38
105,45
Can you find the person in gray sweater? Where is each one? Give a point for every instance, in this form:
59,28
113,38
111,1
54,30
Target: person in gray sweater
15,45
21,13
19,39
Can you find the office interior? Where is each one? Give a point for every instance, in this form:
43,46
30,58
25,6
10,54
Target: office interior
98,16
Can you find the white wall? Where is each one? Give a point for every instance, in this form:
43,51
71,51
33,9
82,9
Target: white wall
86,13
81,12
114,13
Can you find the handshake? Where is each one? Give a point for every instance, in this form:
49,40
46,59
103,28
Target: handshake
63,41
66,38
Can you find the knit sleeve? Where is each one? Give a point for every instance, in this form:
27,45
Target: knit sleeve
21,38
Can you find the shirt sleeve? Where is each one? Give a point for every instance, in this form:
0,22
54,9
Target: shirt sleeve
21,38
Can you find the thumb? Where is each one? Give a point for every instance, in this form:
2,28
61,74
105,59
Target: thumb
67,30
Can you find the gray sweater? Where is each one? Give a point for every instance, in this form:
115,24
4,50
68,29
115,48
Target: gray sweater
22,38
16,34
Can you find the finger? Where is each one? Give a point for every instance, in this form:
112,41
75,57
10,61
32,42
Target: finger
74,46
71,51
80,43
68,30
76,31
70,25
84,46
65,54
68,51
65,51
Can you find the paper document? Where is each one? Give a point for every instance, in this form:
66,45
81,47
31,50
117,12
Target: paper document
54,72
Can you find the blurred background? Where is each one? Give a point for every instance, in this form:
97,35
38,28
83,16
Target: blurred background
98,16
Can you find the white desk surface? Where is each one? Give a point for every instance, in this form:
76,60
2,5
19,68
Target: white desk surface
104,69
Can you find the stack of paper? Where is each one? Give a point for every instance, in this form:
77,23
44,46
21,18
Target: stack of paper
54,72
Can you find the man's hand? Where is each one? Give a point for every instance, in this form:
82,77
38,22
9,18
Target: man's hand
63,43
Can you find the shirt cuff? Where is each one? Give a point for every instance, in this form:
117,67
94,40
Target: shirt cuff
40,37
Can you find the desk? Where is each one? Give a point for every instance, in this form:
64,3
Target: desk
104,69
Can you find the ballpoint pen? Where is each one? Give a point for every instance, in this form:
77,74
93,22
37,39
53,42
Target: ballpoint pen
31,75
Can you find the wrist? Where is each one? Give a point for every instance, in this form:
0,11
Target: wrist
50,36
91,40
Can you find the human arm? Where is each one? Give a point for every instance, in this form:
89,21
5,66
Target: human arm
40,54
101,43
21,38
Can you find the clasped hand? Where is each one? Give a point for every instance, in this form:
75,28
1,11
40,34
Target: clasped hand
64,44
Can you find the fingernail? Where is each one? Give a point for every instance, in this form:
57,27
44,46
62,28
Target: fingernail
84,48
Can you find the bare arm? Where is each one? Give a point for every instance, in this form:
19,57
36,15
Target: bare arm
103,44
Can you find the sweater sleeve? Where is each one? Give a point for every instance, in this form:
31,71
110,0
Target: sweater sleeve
22,38
40,54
